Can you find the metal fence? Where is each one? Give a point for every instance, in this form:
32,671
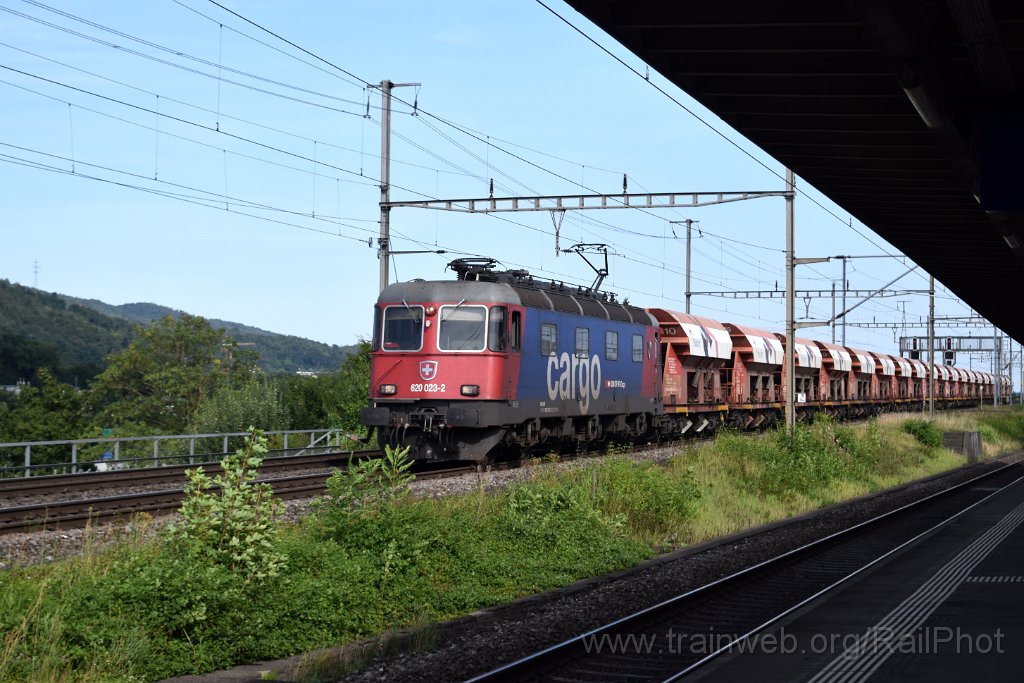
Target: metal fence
29,458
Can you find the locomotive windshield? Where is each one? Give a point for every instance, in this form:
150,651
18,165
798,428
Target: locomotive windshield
403,328
462,328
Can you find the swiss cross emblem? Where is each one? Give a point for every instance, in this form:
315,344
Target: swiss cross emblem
428,369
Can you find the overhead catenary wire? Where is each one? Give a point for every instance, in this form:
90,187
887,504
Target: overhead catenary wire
490,140
365,181
63,171
354,81
222,133
223,115
167,50
486,140
218,116
195,124
214,196
178,119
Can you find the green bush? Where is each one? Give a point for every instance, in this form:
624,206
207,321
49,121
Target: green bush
228,521
988,432
231,408
650,498
780,465
925,432
371,557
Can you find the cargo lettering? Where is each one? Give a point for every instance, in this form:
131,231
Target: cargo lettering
573,378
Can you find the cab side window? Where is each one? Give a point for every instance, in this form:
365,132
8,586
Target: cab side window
517,330
497,333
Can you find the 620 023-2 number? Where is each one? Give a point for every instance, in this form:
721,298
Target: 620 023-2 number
428,388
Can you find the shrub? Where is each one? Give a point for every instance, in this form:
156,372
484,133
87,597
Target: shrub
366,512
231,408
783,465
233,525
371,484
988,433
542,510
925,432
1009,423
650,498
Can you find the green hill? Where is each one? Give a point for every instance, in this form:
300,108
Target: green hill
40,329
73,336
278,352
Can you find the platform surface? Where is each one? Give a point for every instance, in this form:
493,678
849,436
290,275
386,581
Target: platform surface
948,607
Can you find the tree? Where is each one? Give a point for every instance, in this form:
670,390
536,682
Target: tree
355,387
235,408
20,357
52,411
331,400
162,378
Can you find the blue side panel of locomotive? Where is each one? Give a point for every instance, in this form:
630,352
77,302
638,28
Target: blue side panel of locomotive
540,376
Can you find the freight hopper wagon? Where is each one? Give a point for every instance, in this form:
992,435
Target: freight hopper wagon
694,352
807,363
835,377
752,377
904,378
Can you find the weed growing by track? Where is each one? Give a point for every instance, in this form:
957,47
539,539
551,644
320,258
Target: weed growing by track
746,481
373,558
928,433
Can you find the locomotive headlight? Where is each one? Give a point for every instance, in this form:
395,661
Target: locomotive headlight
470,390
388,389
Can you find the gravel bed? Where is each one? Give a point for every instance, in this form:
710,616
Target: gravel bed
495,479
40,547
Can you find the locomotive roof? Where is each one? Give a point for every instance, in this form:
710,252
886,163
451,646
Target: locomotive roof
546,296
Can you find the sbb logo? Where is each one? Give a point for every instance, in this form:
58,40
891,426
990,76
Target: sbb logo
579,379
428,369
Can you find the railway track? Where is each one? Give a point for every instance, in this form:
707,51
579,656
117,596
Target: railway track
94,509
638,647
78,513
67,514
15,487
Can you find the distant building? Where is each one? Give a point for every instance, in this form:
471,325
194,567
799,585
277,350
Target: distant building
307,373
13,388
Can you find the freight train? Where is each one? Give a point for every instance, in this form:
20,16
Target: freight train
497,362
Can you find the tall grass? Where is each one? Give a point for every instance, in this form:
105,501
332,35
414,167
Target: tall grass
746,480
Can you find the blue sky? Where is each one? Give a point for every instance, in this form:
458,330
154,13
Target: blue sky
274,165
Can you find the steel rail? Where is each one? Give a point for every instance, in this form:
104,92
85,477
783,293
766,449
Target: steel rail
127,477
79,513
